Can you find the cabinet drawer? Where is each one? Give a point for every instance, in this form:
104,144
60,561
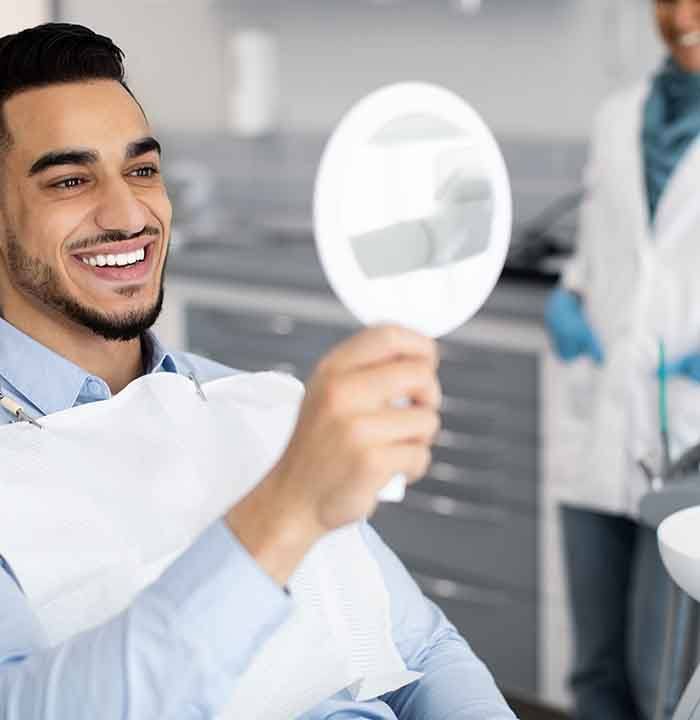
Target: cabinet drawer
494,416
247,355
479,358
490,487
501,627
515,390
267,332
493,454
253,360
483,373
262,323
493,543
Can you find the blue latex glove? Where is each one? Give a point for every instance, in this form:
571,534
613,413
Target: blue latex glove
688,366
569,330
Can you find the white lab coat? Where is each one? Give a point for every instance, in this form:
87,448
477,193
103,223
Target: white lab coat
640,284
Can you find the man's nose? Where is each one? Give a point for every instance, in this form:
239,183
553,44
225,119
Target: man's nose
120,210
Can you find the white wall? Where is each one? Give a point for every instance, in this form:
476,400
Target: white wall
18,14
173,55
532,67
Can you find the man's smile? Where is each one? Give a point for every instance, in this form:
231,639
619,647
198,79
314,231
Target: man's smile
127,261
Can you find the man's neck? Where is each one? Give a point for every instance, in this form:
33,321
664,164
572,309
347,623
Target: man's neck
115,362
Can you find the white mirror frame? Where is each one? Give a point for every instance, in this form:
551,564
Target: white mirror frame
344,274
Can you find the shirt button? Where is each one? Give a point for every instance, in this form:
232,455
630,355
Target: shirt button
95,387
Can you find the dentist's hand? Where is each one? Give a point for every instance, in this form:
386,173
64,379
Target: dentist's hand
568,328
687,366
349,441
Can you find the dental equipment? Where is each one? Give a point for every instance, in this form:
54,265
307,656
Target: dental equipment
197,386
438,240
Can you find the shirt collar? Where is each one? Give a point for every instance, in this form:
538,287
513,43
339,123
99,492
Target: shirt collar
50,381
156,357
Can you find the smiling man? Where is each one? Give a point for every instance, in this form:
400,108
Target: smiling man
84,229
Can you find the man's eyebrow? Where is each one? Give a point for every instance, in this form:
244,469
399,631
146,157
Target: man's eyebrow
141,147
63,157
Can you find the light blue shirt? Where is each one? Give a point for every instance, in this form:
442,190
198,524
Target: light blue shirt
176,652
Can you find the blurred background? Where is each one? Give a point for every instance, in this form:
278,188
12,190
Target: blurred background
243,95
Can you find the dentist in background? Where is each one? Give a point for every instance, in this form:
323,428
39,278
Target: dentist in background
634,282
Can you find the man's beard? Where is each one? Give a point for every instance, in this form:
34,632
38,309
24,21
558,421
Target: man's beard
40,281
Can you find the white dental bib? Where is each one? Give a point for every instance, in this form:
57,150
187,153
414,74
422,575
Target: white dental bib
103,498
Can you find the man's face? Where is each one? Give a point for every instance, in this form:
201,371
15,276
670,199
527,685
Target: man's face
679,24
84,217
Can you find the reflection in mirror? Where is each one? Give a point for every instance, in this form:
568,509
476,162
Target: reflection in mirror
412,209
426,201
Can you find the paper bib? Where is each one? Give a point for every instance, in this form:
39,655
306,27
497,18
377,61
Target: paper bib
98,503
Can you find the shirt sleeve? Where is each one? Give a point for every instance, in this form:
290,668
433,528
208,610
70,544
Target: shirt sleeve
455,685
174,653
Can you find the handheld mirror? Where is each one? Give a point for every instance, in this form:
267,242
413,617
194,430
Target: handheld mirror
412,212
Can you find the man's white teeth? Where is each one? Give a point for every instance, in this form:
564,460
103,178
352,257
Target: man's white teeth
690,39
120,260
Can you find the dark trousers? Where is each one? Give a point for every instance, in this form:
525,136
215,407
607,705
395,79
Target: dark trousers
618,590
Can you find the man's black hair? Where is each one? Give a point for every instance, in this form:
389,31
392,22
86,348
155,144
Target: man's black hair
55,53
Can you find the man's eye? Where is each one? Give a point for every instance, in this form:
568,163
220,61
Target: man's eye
69,183
144,172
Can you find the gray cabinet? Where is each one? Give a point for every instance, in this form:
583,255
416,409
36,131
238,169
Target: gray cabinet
469,531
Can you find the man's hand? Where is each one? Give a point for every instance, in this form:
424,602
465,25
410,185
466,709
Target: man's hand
350,439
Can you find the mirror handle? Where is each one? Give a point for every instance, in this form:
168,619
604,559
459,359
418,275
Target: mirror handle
394,490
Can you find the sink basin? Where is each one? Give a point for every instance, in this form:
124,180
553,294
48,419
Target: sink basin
679,543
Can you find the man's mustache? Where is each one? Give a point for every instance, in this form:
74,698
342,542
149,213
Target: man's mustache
111,236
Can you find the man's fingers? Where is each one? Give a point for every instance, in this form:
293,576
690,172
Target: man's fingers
391,426
410,460
372,389
378,345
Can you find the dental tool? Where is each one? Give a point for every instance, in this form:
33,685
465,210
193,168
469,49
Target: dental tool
197,386
17,410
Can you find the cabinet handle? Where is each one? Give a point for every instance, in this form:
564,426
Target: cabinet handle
470,406
449,507
285,367
446,472
468,476
459,405
459,441
282,324
444,589
489,415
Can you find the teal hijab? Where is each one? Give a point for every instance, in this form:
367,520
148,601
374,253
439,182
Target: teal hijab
671,124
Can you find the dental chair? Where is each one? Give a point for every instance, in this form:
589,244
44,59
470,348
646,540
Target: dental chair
665,508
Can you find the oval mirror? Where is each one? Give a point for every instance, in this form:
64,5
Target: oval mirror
412,209
412,212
